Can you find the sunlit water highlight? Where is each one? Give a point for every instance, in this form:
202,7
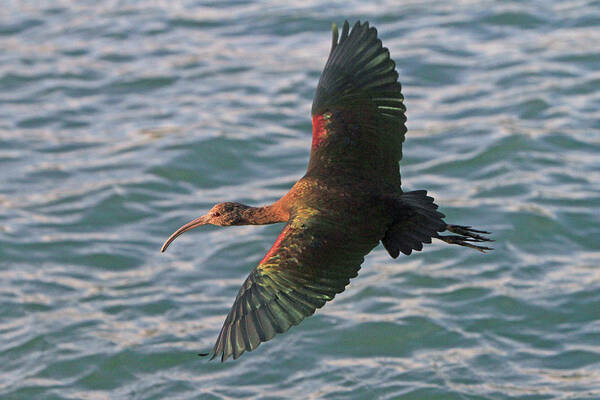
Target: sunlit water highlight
120,122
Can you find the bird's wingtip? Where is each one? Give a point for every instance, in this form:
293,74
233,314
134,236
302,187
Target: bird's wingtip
334,35
214,355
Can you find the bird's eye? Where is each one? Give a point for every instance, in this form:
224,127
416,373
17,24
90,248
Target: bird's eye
216,214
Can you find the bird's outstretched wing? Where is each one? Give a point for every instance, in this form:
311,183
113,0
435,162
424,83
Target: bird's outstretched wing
358,110
311,261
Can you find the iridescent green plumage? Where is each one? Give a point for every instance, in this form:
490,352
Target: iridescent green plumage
360,97
349,199
314,261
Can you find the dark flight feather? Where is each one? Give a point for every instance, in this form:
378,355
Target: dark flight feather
293,282
349,199
362,108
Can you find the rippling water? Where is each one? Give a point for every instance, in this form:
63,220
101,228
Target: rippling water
120,122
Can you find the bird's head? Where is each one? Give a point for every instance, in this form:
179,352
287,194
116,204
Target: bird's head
226,214
222,214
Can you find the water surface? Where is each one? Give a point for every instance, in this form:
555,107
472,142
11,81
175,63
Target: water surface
120,121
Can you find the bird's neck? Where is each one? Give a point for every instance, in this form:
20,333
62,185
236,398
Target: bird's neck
263,215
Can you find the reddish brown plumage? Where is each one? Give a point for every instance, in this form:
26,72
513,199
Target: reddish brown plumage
348,201
276,245
319,132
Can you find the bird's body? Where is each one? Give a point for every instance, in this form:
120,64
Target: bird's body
348,201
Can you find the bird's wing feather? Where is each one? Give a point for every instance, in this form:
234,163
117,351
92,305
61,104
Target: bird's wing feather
358,108
311,261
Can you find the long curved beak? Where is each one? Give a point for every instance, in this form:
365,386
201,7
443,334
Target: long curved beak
203,220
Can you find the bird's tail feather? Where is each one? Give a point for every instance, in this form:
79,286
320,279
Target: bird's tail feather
418,221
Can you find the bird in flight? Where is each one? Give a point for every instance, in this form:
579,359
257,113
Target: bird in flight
348,201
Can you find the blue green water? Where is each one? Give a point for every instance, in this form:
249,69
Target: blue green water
119,121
